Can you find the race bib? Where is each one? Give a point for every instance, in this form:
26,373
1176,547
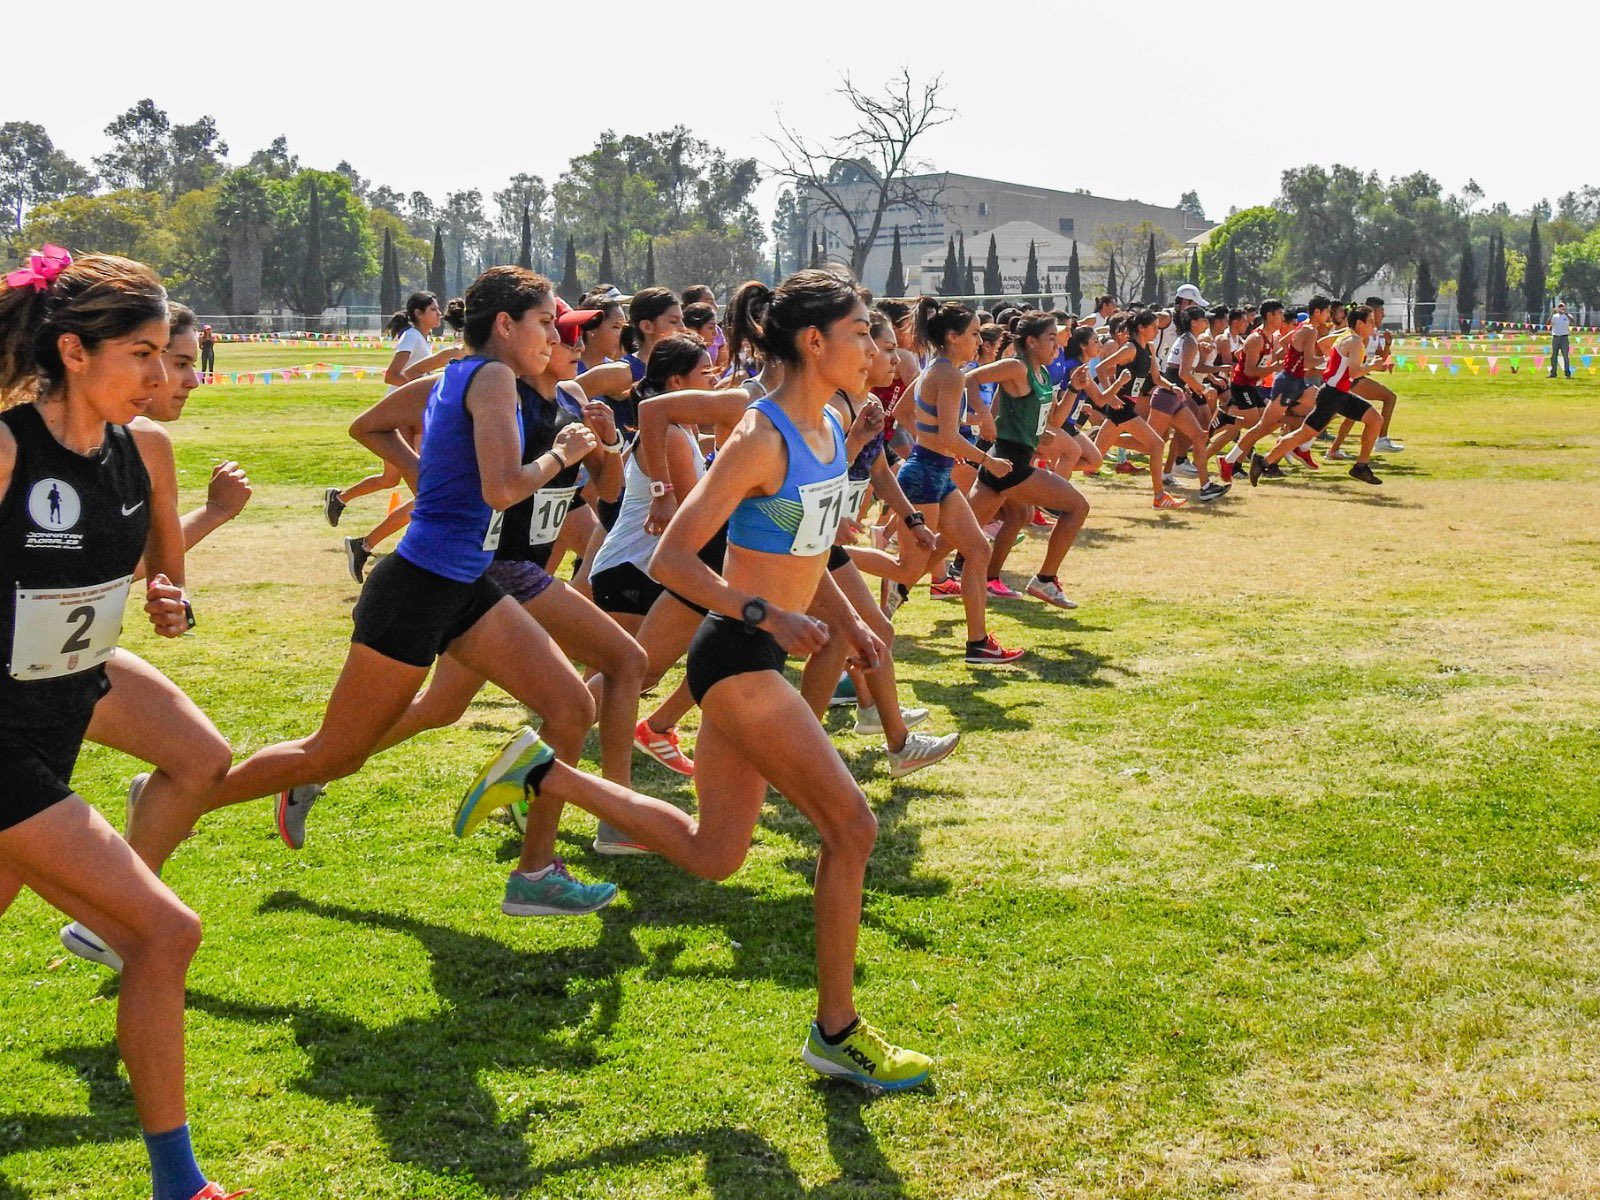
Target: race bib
550,507
62,631
1044,419
854,497
822,504
491,539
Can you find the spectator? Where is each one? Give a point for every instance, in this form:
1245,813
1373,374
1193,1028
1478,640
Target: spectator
1560,335
208,351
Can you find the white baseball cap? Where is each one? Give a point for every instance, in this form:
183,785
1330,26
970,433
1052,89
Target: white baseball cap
1191,293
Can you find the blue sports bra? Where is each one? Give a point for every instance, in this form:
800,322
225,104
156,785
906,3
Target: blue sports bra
802,517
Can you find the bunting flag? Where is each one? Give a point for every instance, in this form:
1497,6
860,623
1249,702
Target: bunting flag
334,372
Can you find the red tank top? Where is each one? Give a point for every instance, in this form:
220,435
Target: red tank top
1338,372
1240,378
888,396
1294,362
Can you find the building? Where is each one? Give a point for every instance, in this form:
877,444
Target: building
970,208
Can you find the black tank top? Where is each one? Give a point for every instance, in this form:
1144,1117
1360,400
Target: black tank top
72,530
1139,369
529,530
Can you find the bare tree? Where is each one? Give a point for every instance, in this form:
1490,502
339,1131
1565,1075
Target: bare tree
862,174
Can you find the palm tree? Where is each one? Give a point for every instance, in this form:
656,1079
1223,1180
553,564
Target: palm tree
244,209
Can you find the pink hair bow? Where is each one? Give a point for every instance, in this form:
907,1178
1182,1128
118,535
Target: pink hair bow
43,266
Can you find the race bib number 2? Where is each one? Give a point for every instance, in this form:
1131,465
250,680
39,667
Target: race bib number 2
823,508
62,631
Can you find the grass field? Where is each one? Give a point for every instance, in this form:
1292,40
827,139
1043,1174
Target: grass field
1274,875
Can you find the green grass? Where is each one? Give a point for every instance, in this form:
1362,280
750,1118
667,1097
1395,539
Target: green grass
1274,875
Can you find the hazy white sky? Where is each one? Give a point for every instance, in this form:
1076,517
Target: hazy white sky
441,97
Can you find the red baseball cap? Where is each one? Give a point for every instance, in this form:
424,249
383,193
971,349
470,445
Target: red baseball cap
573,321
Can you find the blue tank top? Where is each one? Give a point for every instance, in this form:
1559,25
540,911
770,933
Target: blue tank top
803,516
453,531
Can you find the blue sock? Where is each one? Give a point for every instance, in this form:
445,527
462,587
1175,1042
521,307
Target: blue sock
172,1167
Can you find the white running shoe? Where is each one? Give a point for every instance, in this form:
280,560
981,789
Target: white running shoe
1389,446
1170,479
869,721
135,790
1050,593
921,750
1186,469
1337,456
78,939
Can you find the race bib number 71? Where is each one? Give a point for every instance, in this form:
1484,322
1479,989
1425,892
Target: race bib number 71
62,631
823,505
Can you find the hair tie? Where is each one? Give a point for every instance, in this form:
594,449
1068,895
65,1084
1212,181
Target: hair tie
43,266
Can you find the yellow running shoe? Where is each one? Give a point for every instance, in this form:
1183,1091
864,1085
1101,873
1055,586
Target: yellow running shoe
866,1058
502,782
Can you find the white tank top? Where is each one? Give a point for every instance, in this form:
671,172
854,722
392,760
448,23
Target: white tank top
627,542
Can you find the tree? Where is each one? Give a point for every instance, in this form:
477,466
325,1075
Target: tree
1334,227
1030,275
520,217
245,209
895,284
1230,276
608,272
1074,281
319,206
1466,286
193,244
1254,236
950,281
777,262
721,260
1575,270
650,264
1126,240
409,261
1498,293
1194,266
570,289
859,176
1533,282
466,225
525,243
788,227
436,280
313,296
1189,205
195,153
275,162
389,293
969,282
141,153
1111,275
816,252
128,222
993,285
33,171
1426,293
1152,278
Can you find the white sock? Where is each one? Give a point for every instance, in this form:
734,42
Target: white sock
1235,454
534,876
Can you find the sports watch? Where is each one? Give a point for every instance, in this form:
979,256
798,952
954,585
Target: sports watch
755,612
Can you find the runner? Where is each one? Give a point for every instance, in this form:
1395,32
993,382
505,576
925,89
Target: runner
779,483
1133,357
80,357
1296,360
1194,398
653,313
1368,388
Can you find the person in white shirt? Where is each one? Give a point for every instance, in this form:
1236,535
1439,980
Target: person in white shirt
1560,336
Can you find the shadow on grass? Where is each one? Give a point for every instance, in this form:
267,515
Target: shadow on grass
110,1118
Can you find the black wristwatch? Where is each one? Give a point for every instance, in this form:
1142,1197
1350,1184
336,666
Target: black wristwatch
755,612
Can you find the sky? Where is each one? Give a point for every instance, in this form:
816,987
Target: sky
1059,95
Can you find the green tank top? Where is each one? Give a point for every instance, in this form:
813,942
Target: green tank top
1023,418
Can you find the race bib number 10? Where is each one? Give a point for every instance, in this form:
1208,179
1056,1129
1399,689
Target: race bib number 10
550,507
62,631
823,509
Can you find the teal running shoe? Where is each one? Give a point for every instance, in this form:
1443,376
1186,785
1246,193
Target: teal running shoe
554,894
501,783
867,1059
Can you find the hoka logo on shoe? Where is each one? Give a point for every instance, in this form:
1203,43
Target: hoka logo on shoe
861,1060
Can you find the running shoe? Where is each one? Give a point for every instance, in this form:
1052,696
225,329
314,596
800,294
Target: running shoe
1258,468
1336,456
992,654
663,747
1227,469
1041,520
1363,472
555,893
945,589
1169,479
866,1058
135,790
1212,491
1275,471
356,557
1325,436
868,720
1306,457
332,507
992,530
895,594
215,1191
844,692
503,781
1187,469
957,565
79,939
1126,468
998,589
921,750
1050,593
1389,446
517,814
294,806
1168,500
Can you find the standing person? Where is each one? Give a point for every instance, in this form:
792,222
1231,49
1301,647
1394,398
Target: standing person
208,353
80,357
780,483
1560,337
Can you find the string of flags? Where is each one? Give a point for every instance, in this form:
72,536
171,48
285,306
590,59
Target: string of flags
334,372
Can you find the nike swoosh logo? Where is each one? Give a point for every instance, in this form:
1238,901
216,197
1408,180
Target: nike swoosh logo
128,512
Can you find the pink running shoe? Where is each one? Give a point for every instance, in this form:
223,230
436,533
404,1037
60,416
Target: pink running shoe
663,747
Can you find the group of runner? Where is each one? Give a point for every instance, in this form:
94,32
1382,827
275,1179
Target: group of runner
713,480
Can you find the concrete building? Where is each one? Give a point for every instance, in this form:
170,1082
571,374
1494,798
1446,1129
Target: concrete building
973,208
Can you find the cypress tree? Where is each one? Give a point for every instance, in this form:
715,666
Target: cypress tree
608,273
525,253
436,265
650,263
1111,274
1194,270
816,251
1498,298
313,284
389,290
1466,286
1074,282
1030,276
950,281
570,290
993,285
1533,282
1427,292
1152,280
895,284
777,264
1230,276
969,284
